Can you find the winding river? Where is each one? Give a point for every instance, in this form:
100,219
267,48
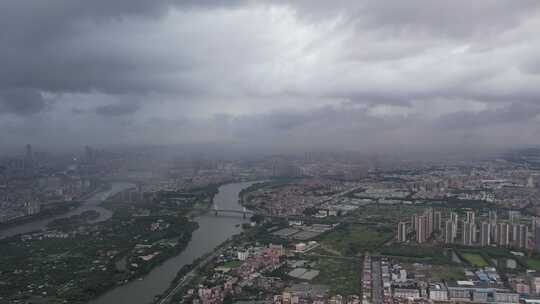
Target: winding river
91,203
213,230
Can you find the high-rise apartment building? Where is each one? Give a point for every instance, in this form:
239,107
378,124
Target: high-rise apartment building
485,234
421,228
493,224
523,237
449,228
429,221
537,238
514,235
454,218
402,232
470,217
468,233
437,221
503,234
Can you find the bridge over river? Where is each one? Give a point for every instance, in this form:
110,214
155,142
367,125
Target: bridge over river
244,212
217,211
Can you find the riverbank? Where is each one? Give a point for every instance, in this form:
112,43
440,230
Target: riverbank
60,209
212,232
91,203
187,274
54,210
75,261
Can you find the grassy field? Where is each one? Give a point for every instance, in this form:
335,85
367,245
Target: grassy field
385,214
491,252
413,254
355,239
232,264
447,273
533,264
342,276
474,259
437,273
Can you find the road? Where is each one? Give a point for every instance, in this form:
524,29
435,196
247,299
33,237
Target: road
338,195
377,290
333,257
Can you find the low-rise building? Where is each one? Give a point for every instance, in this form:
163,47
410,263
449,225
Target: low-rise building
481,295
506,297
407,293
459,294
438,292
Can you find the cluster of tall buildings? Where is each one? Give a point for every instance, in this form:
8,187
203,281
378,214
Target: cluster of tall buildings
466,230
509,233
423,226
32,207
506,235
21,166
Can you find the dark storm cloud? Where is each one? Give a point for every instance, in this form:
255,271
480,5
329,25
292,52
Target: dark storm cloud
361,74
512,113
38,23
117,109
289,120
325,119
52,46
21,101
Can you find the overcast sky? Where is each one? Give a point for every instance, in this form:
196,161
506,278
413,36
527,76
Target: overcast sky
372,76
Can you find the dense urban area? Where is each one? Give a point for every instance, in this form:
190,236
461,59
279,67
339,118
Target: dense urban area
316,228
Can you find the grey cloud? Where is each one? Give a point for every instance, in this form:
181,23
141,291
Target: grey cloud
512,113
52,46
531,66
289,120
321,119
451,19
21,101
119,109
310,74
440,17
78,111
